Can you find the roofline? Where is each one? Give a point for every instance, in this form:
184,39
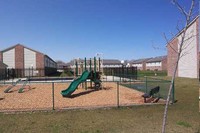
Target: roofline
50,58
26,48
23,46
194,20
3,63
154,61
9,48
142,60
161,58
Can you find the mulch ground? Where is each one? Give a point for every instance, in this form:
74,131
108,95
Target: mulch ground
39,96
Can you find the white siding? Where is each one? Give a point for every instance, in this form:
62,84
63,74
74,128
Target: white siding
111,65
137,65
29,58
152,64
188,64
9,58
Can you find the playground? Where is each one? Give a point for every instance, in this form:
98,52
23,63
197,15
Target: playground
89,89
39,97
128,119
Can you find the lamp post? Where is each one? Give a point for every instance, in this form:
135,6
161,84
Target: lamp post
32,69
100,55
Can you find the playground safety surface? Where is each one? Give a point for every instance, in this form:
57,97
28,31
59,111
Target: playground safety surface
40,96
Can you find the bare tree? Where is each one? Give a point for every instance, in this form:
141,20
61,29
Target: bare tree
180,53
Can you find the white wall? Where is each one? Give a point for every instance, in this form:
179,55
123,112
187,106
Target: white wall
188,64
9,58
29,58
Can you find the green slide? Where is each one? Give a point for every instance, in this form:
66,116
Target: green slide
75,84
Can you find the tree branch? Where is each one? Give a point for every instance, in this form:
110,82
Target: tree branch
169,43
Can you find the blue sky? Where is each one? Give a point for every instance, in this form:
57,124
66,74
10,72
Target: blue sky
67,29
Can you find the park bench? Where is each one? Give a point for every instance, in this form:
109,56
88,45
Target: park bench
151,94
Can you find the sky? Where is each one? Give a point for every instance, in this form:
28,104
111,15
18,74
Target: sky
68,29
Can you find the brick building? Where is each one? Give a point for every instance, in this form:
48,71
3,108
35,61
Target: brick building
189,63
105,63
157,63
2,70
2,65
26,61
140,63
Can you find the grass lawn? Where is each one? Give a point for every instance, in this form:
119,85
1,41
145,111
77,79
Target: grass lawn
184,117
152,73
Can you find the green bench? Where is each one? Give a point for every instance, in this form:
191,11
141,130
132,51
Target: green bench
151,93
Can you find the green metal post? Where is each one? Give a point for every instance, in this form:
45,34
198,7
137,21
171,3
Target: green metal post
85,70
94,68
85,64
99,64
90,65
90,71
76,69
53,108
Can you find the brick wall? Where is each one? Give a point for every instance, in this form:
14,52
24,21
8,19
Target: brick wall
164,64
172,56
1,56
40,63
144,66
19,57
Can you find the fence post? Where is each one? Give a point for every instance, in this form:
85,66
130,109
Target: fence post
113,75
117,94
53,96
146,83
86,85
173,95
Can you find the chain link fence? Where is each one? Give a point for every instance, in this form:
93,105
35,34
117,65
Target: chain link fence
46,95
